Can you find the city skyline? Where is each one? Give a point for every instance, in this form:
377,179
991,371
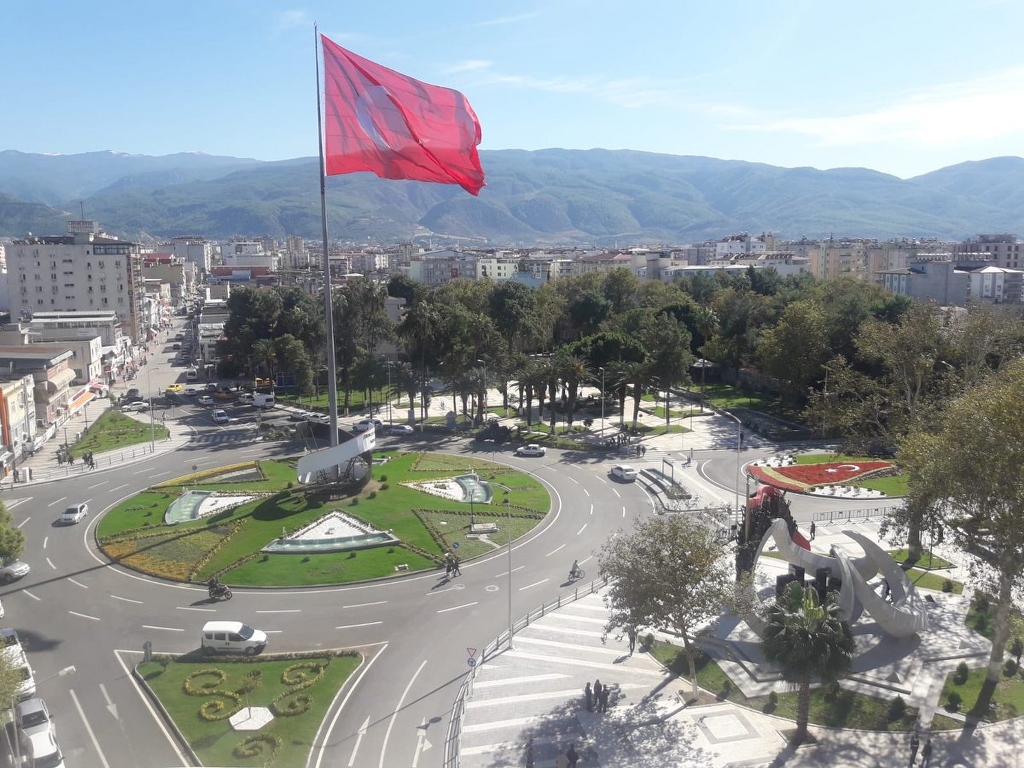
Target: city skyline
899,88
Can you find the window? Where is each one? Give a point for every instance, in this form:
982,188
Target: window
104,301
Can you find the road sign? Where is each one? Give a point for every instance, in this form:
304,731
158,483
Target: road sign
471,661
455,545
471,652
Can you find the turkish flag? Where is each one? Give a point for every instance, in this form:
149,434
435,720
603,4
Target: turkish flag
382,121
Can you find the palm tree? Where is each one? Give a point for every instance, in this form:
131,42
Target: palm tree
809,641
706,323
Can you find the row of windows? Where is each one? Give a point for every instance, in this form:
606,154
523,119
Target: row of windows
104,301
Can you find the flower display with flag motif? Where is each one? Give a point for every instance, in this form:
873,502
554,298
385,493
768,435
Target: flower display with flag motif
379,120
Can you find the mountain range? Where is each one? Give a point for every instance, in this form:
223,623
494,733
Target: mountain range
543,197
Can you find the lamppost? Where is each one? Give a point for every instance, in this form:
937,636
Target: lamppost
602,401
739,444
387,364
152,422
508,523
14,702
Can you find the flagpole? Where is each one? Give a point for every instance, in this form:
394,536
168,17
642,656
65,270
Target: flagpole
332,369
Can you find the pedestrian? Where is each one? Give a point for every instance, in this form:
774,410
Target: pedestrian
447,564
812,529
71,459
573,756
603,703
597,694
631,632
588,693
926,753
455,565
914,744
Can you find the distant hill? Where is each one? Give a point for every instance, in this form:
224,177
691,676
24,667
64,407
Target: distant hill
549,196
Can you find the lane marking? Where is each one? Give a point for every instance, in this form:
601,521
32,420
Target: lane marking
356,626
88,728
581,529
84,616
166,629
616,492
365,605
26,592
46,540
50,563
103,482
556,549
196,608
145,700
326,729
586,492
591,509
535,584
118,488
77,583
457,607
16,502
58,501
623,511
505,573
127,599
283,610
398,708
162,474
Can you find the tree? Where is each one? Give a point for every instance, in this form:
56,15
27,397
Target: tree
809,641
669,572
12,539
794,350
966,469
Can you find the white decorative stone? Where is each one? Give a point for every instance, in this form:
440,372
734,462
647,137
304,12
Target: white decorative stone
250,718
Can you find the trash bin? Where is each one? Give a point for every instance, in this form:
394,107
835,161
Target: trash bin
25,475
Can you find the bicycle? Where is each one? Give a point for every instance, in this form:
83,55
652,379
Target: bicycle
576,574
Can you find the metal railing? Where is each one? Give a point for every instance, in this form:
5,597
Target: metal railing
498,644
105,459
845,515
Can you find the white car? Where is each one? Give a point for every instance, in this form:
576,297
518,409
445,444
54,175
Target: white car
400,429
367,424
205,400
74,513
624,472
531,450
138,405
220,416
33,716
12,570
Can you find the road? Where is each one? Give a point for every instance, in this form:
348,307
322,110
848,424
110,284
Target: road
75,608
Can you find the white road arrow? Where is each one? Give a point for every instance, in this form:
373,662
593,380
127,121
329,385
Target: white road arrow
111,706
422,745
359,738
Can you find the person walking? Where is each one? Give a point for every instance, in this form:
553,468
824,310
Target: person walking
455,565
588,693
597,694
572,756
603,700
915,743
631,633
812,530
926,753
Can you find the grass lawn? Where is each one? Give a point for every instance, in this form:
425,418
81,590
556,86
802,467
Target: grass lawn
275,683
113,430
928,561
981,617
844,709
229,543
1007,700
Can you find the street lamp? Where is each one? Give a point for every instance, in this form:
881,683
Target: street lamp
70,670
739,444
152,422
508,523
602,401
387,394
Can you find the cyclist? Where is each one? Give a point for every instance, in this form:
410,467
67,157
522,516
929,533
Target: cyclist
575,572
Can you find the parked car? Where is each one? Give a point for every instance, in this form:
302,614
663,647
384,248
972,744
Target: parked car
531,450
191,391
42,750
135,406
624,473
74,513
400,429
220,416
211,387
205,400
298,416
367,424
175,345
32,717
14,569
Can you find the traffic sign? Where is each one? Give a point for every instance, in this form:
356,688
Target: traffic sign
471,661
455,545
471,651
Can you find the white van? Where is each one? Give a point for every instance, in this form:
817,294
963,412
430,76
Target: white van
261,400
191,374
232,637
245,398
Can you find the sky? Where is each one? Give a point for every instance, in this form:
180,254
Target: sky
899,86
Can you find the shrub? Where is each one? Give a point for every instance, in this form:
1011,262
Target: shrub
1017,648
648,642
947,585
371,495
962,671
981,603
953,701
981,622
897,709
383,478
1009,668
353,503
383,486
773,702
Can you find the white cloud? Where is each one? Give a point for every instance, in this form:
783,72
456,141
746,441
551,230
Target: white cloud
986,108
289,19
506,20
470,65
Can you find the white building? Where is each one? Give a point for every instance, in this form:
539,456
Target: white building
84,270
192,249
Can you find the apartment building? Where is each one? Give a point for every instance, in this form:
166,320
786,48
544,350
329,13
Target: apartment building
194,250
84,270
17,420
1004,250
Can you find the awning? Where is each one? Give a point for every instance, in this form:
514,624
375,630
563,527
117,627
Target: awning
60,381
81,399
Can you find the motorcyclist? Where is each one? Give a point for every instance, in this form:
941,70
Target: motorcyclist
574,572
214,586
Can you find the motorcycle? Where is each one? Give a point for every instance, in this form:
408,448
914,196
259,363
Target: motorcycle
219,592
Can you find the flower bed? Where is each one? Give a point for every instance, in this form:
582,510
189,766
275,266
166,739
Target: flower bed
802,477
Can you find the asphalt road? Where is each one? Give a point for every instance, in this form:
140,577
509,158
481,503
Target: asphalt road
74,608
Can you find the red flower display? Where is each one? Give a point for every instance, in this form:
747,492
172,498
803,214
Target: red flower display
800,477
